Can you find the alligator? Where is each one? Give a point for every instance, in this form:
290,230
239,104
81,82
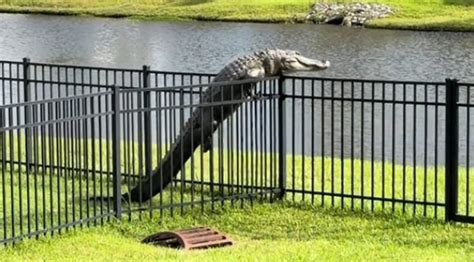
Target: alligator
205,120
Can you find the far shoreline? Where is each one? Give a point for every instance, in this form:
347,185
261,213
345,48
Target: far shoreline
392,23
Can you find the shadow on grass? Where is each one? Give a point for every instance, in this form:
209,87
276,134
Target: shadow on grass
459,2
193,2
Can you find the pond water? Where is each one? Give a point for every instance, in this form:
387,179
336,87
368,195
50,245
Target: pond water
207,46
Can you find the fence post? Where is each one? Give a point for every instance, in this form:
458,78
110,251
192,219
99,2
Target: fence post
2,137
147,105
27,98
281,138
116,159
452,144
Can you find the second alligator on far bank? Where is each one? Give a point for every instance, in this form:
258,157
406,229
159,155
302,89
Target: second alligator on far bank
357,14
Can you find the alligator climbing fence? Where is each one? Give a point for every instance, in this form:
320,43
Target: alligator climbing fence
74,139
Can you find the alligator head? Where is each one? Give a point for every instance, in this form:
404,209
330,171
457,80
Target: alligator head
269,63
283,61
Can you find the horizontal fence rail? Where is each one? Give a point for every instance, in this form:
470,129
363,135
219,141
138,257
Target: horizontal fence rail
74,139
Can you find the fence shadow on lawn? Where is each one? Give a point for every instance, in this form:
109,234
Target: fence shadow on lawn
459,2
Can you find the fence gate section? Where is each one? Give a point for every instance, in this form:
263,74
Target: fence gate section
53,152
460,184
396,146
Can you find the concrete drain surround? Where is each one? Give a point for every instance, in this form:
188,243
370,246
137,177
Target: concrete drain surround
189,239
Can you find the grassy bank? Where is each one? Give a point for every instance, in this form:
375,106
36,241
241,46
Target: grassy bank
453,15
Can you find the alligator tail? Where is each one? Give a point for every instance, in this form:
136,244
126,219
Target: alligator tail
170,165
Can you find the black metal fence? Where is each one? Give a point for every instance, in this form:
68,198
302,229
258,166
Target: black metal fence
70,134
368,144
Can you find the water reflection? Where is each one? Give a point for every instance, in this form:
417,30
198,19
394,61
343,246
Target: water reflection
208,46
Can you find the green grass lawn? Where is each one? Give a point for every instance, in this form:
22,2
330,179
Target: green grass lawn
454,15
288,230
267,232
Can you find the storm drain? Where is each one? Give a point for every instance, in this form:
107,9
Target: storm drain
188,239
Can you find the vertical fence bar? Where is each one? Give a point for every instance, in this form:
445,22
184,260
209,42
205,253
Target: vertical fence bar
451,184
2,133
117,204
147,125
2,172
2,146
281,138
28,140
27,97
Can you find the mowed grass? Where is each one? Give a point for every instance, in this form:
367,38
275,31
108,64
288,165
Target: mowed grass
453,15
439,15
265,232
332,180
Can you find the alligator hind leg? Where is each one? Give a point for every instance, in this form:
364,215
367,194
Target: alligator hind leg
207,143
206,146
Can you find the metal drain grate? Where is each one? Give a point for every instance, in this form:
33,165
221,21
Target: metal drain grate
195,238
